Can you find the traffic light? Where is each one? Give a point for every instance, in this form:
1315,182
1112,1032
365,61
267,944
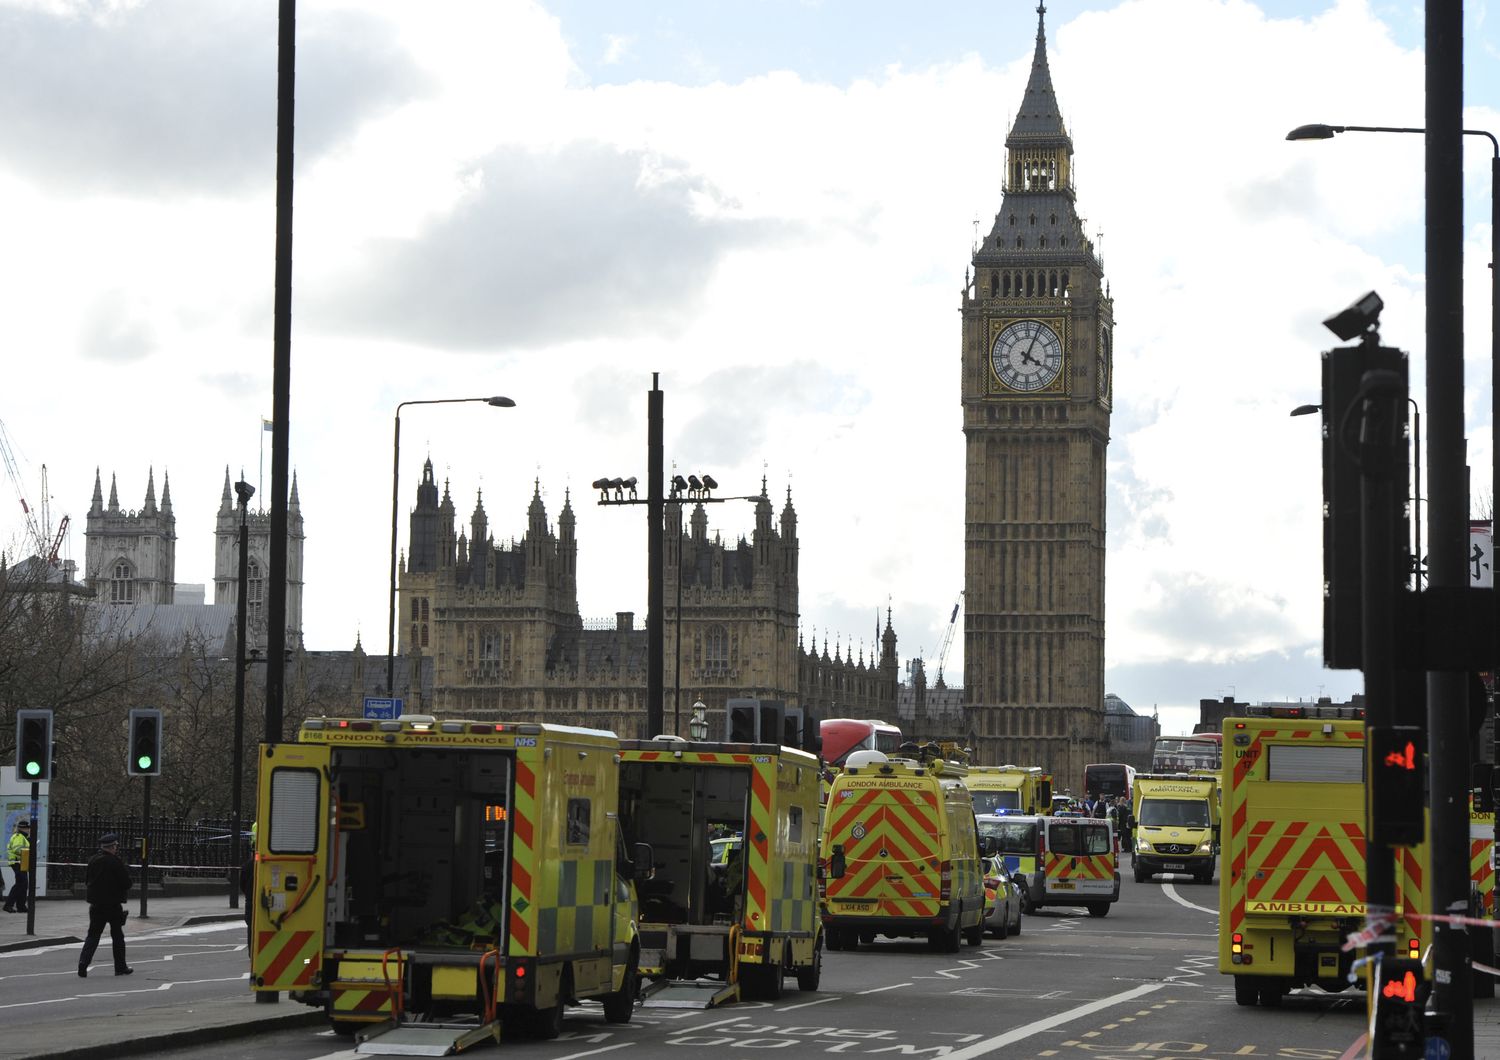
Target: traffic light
1343,370
33,745
742,722
144,759
1399,1003
1397,772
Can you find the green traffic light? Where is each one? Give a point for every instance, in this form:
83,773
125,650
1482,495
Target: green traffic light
33,768
143,762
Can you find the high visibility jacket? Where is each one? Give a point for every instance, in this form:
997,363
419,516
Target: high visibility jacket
16,849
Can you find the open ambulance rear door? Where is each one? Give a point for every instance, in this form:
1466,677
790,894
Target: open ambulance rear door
293,867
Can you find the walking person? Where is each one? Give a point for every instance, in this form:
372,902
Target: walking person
18,853
108,884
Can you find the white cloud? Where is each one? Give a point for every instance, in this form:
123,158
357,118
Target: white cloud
472,216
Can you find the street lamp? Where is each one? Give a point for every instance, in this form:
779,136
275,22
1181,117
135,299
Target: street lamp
698,726
1447,758
390,649
244,491
692,489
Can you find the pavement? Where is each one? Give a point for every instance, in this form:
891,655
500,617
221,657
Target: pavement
144,1027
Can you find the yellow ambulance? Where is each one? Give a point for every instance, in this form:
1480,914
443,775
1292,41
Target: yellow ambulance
1009,789
1292,887
1176,825
429,882
714,928
900,854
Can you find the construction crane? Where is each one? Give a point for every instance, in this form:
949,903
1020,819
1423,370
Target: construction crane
947,642
38,521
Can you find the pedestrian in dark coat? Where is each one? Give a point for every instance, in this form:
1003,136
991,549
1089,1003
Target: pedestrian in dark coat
108,883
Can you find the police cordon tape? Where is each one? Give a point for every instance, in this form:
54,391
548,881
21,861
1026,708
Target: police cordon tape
1375,930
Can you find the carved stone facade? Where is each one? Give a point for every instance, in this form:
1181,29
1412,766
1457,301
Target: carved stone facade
130,557
1037,382
258,537
500,623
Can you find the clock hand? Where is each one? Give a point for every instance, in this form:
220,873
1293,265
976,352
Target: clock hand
1026,354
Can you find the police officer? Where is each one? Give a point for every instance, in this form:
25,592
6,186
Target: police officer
18,853
108,884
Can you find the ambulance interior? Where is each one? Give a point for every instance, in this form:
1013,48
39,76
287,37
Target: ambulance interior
679,809
421,850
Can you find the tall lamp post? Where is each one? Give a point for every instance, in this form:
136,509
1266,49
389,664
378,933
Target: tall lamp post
390,644
244,491
1448,772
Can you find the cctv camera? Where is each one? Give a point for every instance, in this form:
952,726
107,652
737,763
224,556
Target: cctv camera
244,491
1361,317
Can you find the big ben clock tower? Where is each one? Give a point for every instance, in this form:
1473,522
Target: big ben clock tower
1037,338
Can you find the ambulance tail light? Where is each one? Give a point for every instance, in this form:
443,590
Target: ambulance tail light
1041,841
520,986
487,729
1414,948
945,878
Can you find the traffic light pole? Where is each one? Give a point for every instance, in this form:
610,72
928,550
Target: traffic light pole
145,847
1382,394
33,849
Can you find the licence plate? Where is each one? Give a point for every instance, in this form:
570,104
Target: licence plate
1174,866
1062,885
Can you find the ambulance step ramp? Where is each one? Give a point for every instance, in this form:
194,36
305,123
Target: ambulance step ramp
427,1039
688,993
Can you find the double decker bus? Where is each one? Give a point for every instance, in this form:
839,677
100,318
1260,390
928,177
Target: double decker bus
841,736
1186,754
1108,779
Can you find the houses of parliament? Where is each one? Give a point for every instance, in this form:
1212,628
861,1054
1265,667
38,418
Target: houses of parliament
499,626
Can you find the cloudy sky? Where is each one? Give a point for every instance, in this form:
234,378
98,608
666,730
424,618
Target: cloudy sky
772,204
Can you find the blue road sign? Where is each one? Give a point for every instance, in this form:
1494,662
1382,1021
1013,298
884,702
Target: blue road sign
385,709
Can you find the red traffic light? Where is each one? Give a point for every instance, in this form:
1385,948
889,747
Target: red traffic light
1403,989
1403,759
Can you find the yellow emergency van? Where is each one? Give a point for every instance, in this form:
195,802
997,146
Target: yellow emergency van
1292,888
429,882
1080,863
714,930
1176,825
900,854
1009,789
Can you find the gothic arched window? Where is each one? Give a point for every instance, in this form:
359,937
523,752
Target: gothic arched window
255,585
716,649
122,584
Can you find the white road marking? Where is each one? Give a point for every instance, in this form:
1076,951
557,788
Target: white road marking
1171,892
880,989
717,1023
601,1049
807,1004
989,1045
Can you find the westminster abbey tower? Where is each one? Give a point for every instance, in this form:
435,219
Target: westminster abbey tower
1037,338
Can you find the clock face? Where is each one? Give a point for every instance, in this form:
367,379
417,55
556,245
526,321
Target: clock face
1105,362
1027,356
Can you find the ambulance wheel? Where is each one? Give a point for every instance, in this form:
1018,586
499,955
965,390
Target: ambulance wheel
1270,994
546,1023
865,938
808,978
762,982
1098,909
345,1028
835,939
619,1005
944,940
1141,875
1246,991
